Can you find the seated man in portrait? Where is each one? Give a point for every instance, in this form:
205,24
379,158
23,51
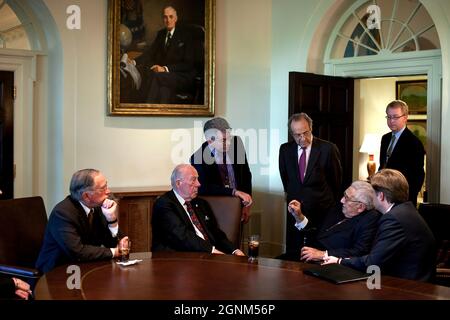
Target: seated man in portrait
167,66
183,222
348,229
82,227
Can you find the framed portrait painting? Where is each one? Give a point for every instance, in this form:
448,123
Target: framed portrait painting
414,93
419,129
161,57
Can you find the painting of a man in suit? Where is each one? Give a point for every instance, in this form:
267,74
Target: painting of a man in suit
170,66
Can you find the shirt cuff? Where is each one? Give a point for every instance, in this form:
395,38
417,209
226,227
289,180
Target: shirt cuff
301,224
212,250
167,69
114,230
113,251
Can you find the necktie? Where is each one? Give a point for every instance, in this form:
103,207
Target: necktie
91,217
224,171
168,37
195,220
390,148
302,164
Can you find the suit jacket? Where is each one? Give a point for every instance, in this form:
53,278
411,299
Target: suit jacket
407,157
173,230
7,287
178,57
68,237
350,237
404,246
321,186
208,170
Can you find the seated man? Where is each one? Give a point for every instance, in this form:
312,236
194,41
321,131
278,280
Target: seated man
404,245
83,226
222,165
352,235
183,222
13,286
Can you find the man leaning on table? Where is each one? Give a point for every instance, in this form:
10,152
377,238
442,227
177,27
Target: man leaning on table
183,222
82,227
404,246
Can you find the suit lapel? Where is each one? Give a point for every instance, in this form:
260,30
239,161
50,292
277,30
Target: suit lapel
202,216
181,212
313,157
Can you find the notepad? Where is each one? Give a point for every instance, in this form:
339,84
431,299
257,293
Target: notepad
336,273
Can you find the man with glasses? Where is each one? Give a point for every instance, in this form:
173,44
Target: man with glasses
404,246
311,172
348,230
401,149
83,226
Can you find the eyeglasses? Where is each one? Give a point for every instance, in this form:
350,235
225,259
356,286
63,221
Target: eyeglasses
101,189
305,134
394,117
347,198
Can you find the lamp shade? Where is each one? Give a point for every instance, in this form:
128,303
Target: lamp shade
370,143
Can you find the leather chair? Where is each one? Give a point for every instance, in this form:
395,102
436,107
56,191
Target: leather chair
227,211
22,227
437,216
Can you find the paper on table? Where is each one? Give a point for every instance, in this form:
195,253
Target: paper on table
129,262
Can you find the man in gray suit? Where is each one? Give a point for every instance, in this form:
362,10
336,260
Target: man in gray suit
311,172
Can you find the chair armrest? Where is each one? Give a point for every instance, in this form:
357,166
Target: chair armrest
22,272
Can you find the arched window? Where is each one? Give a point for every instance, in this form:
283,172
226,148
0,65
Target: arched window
13,33
384,26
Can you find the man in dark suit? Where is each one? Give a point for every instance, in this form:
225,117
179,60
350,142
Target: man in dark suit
404,246
83,226
221,163
319,186
401,149
349,228
167,66
13,287
183,222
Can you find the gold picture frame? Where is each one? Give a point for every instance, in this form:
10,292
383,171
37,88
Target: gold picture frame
414,93
134,27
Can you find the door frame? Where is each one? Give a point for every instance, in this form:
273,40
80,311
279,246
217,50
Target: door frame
23,64
404,64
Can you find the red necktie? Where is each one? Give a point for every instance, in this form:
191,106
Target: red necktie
195,220
302,164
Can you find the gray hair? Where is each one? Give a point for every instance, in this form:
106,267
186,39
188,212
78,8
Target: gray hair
364,193
82,181
298,117
213,125
178,174
398,104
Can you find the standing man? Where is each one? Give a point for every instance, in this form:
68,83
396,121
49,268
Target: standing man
404,246
401,149
311,172
183,222
82,227
222,165
167,66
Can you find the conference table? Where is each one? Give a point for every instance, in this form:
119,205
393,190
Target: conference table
201,276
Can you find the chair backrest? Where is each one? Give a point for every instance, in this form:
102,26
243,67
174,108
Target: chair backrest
227,211
22,227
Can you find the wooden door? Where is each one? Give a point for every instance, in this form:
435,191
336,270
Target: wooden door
329,102
6,135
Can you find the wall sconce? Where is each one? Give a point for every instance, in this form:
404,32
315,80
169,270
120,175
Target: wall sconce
369,146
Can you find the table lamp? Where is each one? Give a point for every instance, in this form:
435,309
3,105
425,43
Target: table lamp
369,146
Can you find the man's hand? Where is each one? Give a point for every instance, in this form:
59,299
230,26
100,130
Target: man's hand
245,214
109,209
311,254
295,208
246,199
158,68
238,252
119,244
22,288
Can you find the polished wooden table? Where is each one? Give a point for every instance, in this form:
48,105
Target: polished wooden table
198,276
